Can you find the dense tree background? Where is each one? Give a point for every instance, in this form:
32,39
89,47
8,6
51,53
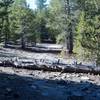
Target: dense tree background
88,28
73,23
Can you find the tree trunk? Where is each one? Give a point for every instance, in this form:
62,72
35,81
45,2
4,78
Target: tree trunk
1,30
69,36
23,41
70,42
6,26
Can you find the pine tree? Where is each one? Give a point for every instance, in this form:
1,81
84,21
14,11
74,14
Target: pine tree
90,30
5,4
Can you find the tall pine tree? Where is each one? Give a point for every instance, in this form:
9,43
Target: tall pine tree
5,4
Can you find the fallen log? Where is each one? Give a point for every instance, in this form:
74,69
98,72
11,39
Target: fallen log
34,64
35,49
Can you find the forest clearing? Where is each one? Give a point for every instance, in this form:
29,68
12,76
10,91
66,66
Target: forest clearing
49,50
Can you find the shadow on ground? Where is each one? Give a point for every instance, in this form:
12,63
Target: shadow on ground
14,87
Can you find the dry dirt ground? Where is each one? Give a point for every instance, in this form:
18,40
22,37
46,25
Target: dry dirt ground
23,84
6,53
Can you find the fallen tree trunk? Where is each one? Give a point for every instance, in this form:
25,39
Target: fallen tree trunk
36,64
35,49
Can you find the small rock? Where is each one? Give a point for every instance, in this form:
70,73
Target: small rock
8,89
63,77
67,76
84,78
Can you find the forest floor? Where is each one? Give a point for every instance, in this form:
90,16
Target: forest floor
7,53
23,84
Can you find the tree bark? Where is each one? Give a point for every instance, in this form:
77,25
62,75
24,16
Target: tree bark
6,29
69,36
23,41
